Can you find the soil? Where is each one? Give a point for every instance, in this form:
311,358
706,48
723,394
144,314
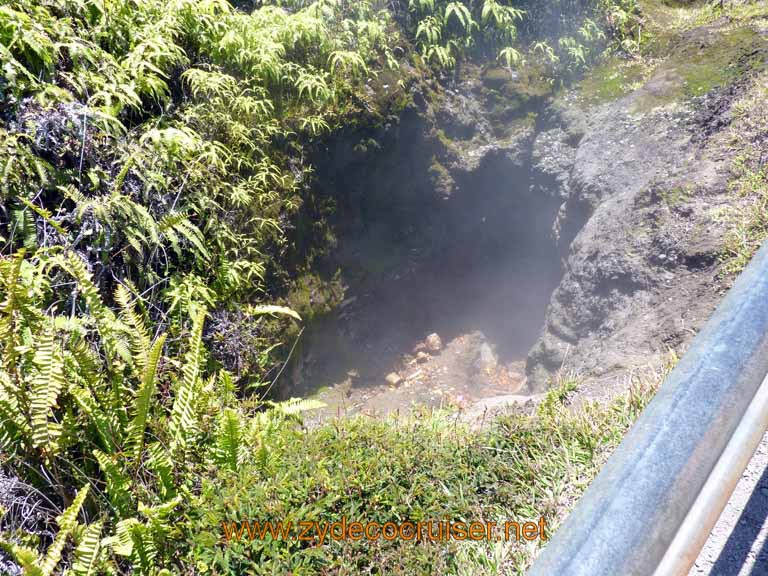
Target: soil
459,376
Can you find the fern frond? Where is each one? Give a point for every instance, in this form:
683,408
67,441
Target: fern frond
88,551
110,330
103,424
159,461
139,336
159,513
183,419
260,310
14,427
47,384
144,397
28,559
228,439
67,522
45,215
297,405
121,542
118,485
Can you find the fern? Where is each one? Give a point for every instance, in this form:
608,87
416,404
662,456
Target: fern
160,462
118,487
144,396
46,386
228,438
183,417
460,13
272,309
45,215
140,338
14,427
349,61
105,426
87,553
67,523
510,56
297,406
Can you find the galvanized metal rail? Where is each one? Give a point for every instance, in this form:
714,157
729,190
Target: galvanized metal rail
652,506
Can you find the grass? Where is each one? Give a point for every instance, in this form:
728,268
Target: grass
429,466
749,182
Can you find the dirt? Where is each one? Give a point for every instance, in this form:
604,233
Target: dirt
463,373
485,322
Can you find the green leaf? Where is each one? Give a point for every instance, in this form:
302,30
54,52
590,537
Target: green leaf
47,384
87,551
144,399
183,417
271,309
67,522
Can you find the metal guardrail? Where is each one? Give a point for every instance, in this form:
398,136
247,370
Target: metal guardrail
653,504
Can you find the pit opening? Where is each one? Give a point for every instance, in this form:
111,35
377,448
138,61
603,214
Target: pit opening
476,266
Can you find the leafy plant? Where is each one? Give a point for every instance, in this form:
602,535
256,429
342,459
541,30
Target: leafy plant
97,399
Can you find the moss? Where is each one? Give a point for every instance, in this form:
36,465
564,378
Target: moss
443,138
438,170
701,63
611,80
441,178
495,78
677,196
514,95
311,296
720,63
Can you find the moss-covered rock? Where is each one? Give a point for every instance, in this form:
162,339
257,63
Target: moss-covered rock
612,79
702,60
513,94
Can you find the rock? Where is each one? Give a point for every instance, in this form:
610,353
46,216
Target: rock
639,193
348,302
486,358
434,343
415,375
422,357
394,379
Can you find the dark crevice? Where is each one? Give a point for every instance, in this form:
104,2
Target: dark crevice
415,261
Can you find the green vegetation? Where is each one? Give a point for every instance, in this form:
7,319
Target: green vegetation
677,196
749,183
92,402
683,62
163,142
701,64
426,467
612,79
